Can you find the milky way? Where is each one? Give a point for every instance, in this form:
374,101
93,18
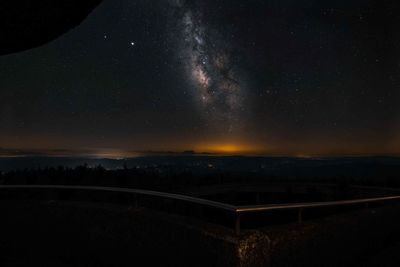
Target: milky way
208,62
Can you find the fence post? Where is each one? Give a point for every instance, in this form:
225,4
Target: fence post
300,215
237,223
132,201
135,201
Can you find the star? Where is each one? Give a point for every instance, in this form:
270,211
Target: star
132,43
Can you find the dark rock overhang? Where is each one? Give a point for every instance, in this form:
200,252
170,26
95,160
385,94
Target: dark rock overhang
29,24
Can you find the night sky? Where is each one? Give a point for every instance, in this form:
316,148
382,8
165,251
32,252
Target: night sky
275,77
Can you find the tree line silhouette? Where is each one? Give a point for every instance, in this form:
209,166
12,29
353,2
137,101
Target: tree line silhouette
175,179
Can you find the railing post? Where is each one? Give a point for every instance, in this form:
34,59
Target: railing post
237,223
300,215
135,202
132,201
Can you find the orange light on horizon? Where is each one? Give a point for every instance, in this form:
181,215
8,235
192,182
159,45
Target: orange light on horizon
227,149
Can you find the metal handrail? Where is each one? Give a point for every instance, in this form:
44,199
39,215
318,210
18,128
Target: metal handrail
237,211
195,200
256,208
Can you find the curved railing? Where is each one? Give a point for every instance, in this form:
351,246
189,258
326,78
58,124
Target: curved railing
236,211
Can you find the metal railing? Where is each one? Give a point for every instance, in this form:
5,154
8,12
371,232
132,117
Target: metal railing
236,211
